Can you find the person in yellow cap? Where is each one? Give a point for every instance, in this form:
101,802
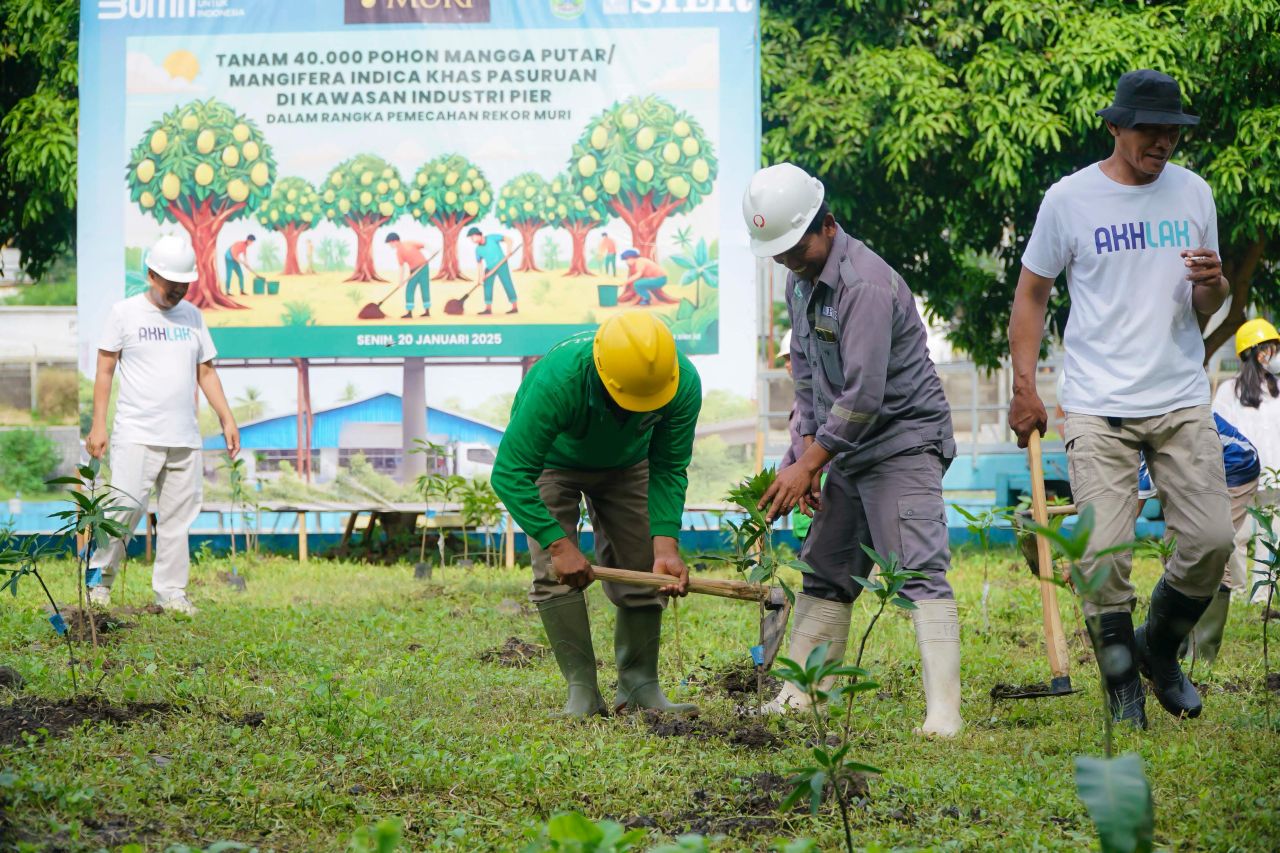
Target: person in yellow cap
607,418
1251,401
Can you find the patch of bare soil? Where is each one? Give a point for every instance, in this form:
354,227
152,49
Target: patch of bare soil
752,810
56,717
1269,614
81,624
515,652
1272,681
744,734
11,679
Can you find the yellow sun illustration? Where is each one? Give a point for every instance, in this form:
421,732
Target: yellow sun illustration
182,63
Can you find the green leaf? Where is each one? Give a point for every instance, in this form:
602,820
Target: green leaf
1118,797
572,826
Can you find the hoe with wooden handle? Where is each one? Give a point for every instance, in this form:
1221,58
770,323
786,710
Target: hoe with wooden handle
777,607
1054,639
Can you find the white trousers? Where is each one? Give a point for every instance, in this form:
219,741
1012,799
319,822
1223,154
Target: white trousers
176,475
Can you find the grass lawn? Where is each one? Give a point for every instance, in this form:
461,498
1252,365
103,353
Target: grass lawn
327,697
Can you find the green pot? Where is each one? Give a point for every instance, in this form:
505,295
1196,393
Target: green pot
608,294
259,285
273,287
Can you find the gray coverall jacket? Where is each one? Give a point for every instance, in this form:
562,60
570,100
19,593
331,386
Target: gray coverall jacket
867,390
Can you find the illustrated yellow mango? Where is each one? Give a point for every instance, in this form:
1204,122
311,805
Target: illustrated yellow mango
336,179
388,172
472,208
590,194
700,170
146,171
485,198
260,174
451,197
328,196
415,196
230,156
344,206
671,152
159,142
237,190
204,174
170,186
450,179
681,128
366,198
386,208
250,151
678,187
645,138
466,188
630,120
205,141
599,137
429,206
190,122
690,147
290,209
275,216
147,200
382,187
398,198
612,182
586,165
240,132
644,171
366,179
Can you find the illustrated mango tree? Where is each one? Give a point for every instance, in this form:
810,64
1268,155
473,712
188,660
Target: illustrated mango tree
449,192
364,193
644,160
576,215
526,204
201,165
294,207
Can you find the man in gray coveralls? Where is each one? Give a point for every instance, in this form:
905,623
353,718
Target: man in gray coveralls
870,401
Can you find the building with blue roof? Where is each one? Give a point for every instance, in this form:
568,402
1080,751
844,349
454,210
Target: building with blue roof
371,426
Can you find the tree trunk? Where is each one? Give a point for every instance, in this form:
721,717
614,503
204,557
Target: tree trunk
1239,271
203,227
644,220
450,228
579,231
528,230
291,234
365,230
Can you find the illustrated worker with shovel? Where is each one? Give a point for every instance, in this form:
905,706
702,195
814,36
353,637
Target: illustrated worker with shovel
870,402
608,418
491,252
1138,239
236,257
409,258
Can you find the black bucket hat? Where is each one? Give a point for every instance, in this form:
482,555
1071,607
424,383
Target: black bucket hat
1147,97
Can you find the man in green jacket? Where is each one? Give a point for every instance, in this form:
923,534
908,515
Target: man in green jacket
607,417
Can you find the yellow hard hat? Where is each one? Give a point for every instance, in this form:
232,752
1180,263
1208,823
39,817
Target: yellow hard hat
1254,332
636,359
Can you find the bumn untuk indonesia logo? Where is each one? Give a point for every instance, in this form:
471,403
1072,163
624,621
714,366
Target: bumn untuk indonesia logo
416,11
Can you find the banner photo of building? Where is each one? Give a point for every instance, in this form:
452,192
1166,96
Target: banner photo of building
390,178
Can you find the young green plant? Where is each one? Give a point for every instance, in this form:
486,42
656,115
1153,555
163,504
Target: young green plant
980,525
1268,579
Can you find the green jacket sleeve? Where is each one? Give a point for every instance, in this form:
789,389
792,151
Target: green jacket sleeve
670,451
535,423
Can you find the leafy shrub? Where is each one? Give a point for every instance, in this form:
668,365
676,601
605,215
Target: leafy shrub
27,459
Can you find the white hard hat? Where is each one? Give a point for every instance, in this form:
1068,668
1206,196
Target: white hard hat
784,348
778,206
172,259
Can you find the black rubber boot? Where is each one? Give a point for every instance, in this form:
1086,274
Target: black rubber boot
1169,621
569,630
636,641
1204,641
1118,662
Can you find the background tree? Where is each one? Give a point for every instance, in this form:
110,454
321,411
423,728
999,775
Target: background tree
202,165
644,160
363,193
39,113
250,405
526,204
294,206
937,130
576,215
449,192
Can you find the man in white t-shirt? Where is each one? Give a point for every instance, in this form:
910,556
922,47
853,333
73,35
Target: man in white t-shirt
162,349
1138,239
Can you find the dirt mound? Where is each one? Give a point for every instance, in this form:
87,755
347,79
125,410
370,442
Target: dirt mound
1272,681
515,652
11,679
81,624
56,717
740,681
744,734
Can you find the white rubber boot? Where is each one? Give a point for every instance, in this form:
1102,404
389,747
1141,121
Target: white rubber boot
817,621
938,638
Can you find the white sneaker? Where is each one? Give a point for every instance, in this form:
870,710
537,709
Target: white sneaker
178,604
100,595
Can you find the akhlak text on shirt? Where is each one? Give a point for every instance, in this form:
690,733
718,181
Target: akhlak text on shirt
1138,236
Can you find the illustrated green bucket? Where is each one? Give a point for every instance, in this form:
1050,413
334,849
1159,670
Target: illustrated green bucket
608,295
273,287
259,285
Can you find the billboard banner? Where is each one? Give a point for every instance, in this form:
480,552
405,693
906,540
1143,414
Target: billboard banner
391,178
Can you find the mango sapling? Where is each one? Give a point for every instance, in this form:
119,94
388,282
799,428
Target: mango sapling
980,525
1268,580
1114,790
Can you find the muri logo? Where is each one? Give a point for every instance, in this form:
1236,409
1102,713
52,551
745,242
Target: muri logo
111,10
416,11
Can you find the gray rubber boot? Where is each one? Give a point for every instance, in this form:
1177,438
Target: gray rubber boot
569,630
814,621
1205,639
937,624
636,642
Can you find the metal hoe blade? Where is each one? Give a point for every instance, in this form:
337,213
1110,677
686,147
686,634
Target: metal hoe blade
773,626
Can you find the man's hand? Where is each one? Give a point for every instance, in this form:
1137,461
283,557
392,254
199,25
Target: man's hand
793,487
570,566
666,561
1209,289
96,443
1027,414
231,433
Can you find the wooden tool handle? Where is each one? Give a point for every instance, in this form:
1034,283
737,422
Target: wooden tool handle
741,590
1055,640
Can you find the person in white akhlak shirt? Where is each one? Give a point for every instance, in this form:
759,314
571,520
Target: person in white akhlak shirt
1138,239
1251,399
160,345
